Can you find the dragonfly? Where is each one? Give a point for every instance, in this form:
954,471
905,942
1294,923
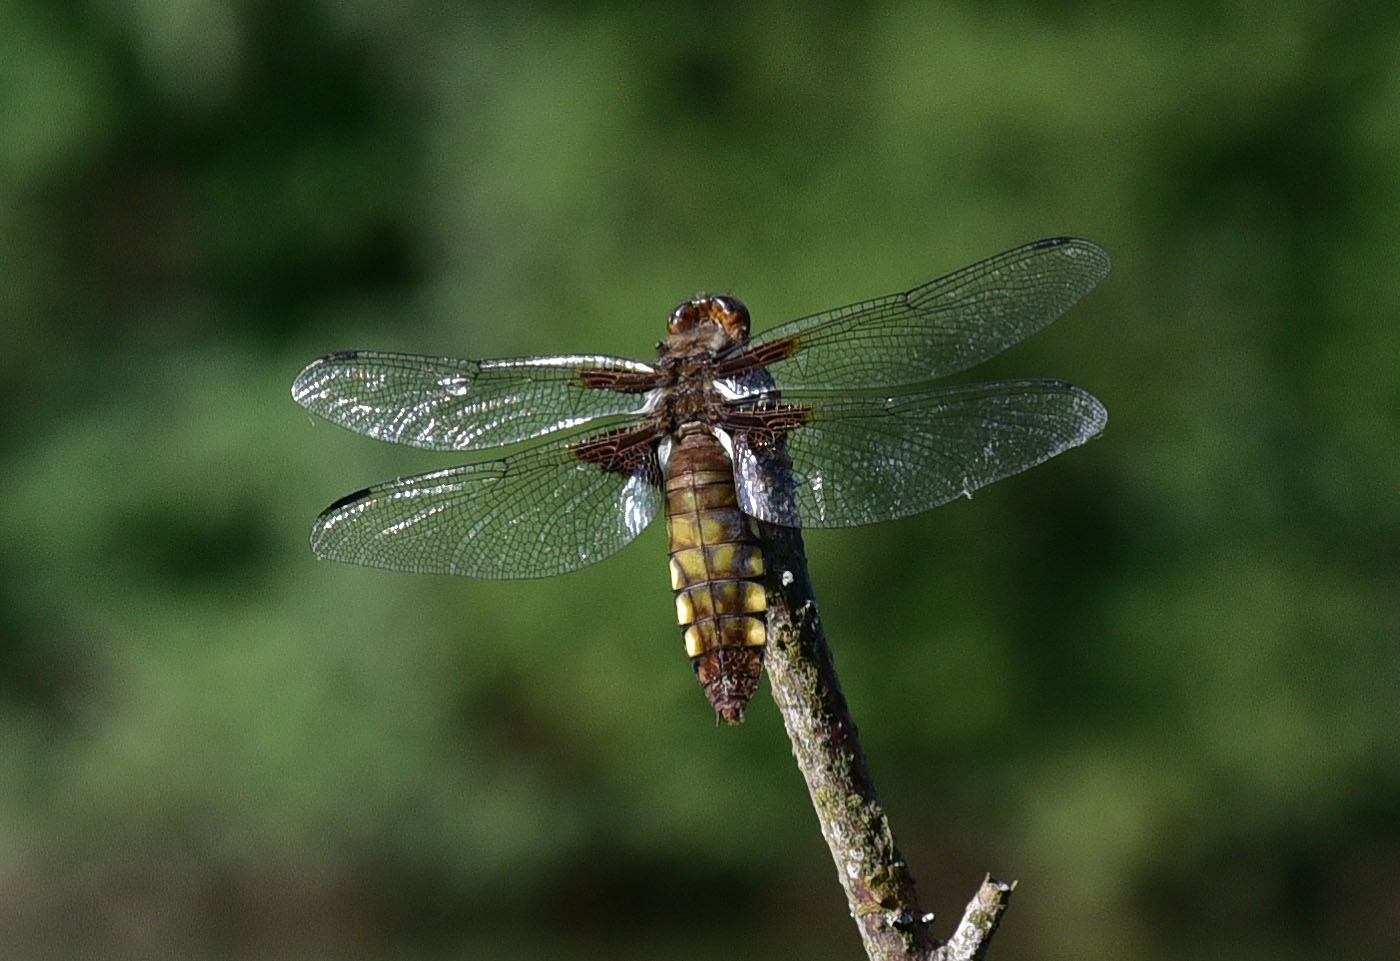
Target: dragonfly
831,420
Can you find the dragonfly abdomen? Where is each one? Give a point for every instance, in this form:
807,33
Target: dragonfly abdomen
716,572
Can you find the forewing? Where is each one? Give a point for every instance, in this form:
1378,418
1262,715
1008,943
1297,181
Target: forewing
444,403
942,327
537,513
861,459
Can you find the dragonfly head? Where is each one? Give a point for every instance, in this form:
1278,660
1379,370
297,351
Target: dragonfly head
712,321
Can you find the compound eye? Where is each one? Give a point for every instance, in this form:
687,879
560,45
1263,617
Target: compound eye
684,317
733,316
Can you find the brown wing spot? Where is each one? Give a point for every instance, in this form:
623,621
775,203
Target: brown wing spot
765,428
759,355
618,379
619,451
777,420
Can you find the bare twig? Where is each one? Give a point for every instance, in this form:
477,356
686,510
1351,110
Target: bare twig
879,887
979,922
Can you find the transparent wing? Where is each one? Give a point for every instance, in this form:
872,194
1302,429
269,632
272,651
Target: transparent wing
534,514
442,403
945,326
861,459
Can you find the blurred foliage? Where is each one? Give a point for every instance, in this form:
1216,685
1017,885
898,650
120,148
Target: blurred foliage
1154,679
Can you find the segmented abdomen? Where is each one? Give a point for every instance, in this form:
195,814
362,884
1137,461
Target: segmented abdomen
716,572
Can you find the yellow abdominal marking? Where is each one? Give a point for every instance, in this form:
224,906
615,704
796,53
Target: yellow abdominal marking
719,597
688,567
756,632
734,631
712,530
695,565
740,560
683,530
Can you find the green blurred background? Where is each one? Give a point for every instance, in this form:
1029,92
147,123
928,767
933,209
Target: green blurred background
1155,679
